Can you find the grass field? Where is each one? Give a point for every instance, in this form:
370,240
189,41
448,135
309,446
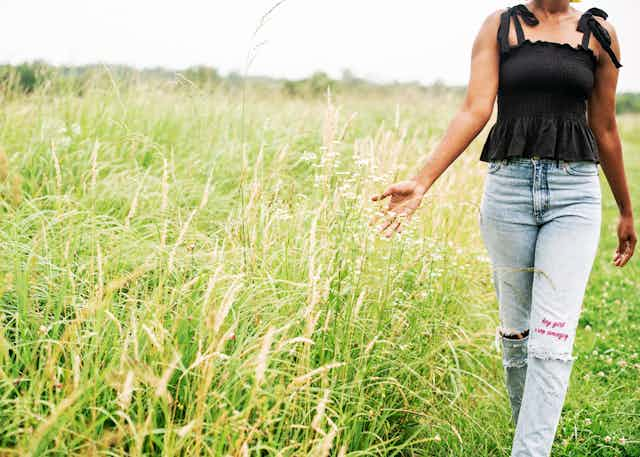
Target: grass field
183,274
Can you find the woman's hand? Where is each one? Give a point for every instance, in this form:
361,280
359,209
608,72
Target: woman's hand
406,197
474,114
627,240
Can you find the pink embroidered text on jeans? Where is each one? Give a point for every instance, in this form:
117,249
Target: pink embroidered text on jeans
550,325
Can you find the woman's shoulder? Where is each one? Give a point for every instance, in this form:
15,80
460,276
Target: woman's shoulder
600,15
606,23
596,21
501,14
495,14
493,18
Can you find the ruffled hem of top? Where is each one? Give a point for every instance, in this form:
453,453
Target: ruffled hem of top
546,137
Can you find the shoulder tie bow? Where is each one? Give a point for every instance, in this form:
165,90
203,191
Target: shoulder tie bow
519,10
527,16
589,24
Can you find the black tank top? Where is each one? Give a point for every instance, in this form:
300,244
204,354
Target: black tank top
543,91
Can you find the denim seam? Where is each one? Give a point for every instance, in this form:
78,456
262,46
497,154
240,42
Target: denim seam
545,189
534,190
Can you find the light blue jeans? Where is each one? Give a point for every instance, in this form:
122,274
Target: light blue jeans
540,223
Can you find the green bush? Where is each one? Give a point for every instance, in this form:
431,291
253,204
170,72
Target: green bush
628,102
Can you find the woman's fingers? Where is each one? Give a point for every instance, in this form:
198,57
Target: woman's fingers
388,213
624,251
388,221
632,246
399,209
392,228
628,253
617,255
398,224
383,195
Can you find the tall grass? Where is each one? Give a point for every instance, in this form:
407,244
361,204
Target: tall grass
145,310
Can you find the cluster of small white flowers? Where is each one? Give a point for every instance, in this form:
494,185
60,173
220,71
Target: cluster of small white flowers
379,179
281,214
346,190
436,256
622,440
56,130
308,156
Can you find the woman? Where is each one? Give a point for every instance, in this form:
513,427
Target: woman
550,66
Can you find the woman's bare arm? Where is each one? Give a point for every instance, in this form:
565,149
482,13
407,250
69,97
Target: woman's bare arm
602,120
476,108
468,122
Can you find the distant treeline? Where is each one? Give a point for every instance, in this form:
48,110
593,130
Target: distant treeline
29,77
628,102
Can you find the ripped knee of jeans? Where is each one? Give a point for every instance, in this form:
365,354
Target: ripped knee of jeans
514,346
547,354
513,334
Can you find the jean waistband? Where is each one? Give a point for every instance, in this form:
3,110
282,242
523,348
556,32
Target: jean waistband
533,160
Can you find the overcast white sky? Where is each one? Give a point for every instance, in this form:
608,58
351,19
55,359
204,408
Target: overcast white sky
382,40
